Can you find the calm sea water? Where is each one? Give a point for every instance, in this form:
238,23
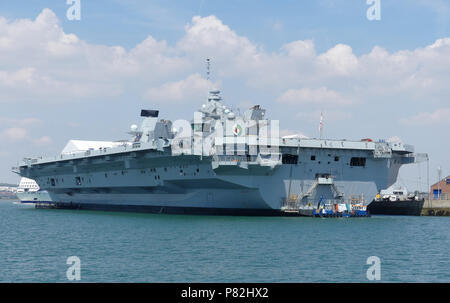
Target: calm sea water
124,247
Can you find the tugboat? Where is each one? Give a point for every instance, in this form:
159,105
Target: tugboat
396,202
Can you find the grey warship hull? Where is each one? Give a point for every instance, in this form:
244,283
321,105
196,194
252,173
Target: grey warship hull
160,172
188,184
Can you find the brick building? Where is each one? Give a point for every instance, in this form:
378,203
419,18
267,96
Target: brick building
441,190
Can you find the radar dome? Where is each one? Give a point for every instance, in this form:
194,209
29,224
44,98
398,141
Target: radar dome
133,127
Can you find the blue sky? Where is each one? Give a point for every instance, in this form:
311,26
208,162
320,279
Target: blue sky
405,24
88,79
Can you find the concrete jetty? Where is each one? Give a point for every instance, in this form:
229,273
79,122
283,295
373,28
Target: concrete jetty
436,208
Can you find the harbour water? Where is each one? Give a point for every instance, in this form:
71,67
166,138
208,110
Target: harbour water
128,247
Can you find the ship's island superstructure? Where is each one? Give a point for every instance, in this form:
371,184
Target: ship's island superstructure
222,162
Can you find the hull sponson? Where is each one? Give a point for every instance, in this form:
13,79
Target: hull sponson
172,210
206,198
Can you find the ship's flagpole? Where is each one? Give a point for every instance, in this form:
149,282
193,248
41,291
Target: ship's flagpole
321,125
208,65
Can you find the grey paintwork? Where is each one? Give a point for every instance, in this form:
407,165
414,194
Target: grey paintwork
160,167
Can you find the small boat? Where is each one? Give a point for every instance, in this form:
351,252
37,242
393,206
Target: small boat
29,192
396,202
339,209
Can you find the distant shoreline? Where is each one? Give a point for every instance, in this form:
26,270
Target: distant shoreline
4,199
8,185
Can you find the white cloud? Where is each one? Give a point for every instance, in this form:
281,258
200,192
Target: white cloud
26,122
189,89
18,130
22,134
339,59
17,78
41,62
29,84
44,140
320,96
14,134
438,117
328,116
210,34
300,49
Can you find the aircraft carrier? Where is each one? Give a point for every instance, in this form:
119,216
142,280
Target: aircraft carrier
221,162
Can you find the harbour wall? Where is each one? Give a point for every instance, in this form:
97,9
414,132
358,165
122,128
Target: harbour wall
436,208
